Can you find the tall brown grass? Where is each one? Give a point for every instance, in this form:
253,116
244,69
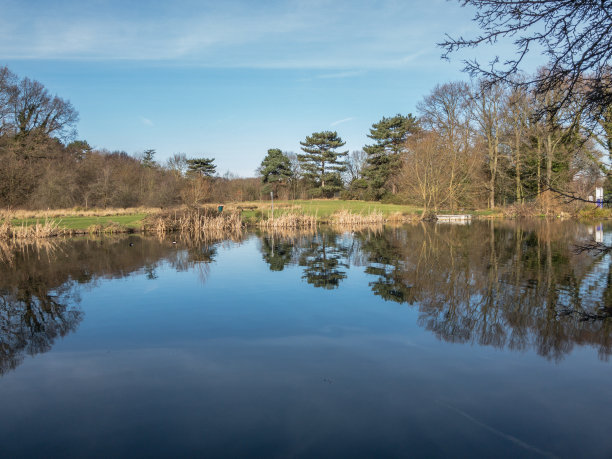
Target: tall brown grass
289,220
108,228
199,223
48,228
345,218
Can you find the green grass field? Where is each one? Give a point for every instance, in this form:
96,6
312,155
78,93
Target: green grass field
252,212
323,208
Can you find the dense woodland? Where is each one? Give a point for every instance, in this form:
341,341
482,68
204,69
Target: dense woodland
470,145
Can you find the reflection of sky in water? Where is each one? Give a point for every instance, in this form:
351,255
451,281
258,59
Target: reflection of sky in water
243,360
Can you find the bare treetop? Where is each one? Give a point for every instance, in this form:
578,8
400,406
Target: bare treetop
574,35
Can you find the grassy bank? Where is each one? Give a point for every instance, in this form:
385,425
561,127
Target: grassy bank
322,209
250,212
74,222
287,214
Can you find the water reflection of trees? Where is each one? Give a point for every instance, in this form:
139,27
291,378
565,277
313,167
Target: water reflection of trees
324,260
325,255
503,284
497,284
40,283
516,286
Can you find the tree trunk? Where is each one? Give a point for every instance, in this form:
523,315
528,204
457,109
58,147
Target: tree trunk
549,158
322,175
539,165
517,140
493,168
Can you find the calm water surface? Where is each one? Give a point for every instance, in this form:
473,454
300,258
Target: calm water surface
490,339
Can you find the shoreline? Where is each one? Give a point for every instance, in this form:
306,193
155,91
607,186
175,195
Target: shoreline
24,224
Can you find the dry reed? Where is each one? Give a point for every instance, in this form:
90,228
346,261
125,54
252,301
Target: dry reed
345,218
6,230
38,230
196,223
108,228
289,220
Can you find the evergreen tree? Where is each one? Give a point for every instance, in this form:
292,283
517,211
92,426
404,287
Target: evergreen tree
147,158
321,163
78,149
275,169
201,166
384,156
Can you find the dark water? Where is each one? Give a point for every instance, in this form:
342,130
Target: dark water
490,340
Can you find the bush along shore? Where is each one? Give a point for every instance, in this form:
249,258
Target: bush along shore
208,221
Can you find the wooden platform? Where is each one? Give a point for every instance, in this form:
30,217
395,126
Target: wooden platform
460,218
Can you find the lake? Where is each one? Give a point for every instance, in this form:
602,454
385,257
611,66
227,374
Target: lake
491,339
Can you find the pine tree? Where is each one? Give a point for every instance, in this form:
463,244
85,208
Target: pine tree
201,166
321,163
147,158
275,169
384,156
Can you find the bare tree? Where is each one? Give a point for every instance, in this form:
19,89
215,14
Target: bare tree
8,91
575,36
36,113
488,107
355,164
446,111
517,118
429,176
177,164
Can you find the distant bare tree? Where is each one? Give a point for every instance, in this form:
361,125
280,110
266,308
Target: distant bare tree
38,114
177,164
355,164
8,91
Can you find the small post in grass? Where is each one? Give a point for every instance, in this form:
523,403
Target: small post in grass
272,200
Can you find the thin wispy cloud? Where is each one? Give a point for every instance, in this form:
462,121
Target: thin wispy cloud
338,75
146,121
290,34
344,120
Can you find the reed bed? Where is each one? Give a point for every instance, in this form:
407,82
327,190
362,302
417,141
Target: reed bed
289,220
196,223
109,228
6,230
53,228
345,218
39,230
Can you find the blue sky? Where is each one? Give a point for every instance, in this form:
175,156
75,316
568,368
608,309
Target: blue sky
230,79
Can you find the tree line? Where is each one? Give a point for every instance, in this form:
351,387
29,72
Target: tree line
471,144
43,165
